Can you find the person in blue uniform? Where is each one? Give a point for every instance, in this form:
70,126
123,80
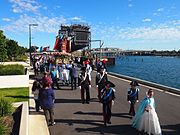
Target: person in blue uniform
132,96
107,99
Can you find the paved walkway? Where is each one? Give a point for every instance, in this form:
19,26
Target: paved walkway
74,118
37,122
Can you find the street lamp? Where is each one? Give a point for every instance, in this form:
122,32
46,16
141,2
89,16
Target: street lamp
100,46
30,40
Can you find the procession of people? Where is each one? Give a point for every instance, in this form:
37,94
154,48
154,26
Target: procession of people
144,119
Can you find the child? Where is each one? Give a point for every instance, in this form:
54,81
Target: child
35,90
132,96
107,99
146,118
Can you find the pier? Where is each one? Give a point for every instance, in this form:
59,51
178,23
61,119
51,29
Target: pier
74,118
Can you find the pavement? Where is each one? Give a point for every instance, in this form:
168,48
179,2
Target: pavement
74,118
37,122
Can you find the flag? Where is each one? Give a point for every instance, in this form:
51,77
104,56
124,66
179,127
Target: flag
41,49
56,46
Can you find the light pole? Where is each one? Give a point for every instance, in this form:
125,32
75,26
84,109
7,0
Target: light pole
30,40
100,46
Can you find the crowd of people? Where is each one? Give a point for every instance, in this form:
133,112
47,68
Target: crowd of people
145,119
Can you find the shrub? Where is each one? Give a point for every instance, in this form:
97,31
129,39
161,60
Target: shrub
6,107
11,69
3,128
21,58
6,124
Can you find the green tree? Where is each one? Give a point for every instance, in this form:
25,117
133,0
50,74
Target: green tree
13,50
3,51
22,50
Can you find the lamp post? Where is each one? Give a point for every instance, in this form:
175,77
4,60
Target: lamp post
100,46
30,40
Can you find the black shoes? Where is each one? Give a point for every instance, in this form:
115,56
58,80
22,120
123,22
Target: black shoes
52,124
87,102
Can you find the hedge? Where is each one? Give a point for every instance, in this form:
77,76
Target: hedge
12,69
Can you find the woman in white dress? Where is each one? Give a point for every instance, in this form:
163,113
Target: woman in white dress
146,118
64,74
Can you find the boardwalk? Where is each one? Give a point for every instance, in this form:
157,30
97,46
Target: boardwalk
74,118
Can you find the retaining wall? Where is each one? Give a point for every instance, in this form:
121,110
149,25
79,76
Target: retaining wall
151,84
24,122
14,81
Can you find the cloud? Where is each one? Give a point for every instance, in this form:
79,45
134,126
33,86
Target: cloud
148,33
165,32
20,6
6,19
156,14
146,20
130,5
75,18
45,24
160,9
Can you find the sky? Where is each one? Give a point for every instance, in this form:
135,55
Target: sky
124,24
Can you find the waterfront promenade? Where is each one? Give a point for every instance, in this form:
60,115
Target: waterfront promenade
74,118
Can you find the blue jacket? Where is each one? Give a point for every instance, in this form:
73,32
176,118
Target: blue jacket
47,98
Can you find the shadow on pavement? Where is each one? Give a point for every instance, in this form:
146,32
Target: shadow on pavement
26,97
115,129
123,115
67,100
71,122
171,129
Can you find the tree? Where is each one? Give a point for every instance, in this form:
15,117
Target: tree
22,50
3,51
12,49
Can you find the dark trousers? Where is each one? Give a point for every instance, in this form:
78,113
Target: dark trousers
132,110
107,112
51,114
37,105
100,87
55,82
73,82
35,71
83,90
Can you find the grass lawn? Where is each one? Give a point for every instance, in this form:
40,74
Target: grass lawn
15,94
12,95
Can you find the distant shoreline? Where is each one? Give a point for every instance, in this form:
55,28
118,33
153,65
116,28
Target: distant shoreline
151,53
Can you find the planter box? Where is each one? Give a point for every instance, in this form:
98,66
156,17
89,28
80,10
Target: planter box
13,81
23,125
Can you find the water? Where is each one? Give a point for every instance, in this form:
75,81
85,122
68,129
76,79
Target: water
161,70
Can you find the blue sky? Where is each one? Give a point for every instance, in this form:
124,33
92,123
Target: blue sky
126,24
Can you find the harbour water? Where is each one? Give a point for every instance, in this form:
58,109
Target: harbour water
161,70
